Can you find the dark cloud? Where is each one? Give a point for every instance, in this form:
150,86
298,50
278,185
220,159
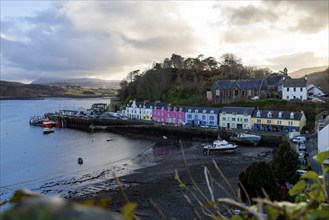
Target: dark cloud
117,35
251,14
309,16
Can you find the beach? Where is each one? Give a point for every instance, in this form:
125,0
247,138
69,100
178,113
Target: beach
156,180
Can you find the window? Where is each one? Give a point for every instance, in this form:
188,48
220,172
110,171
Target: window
233,119
280,114
289,122
217,92
287,97
258,113
246,120
189,110
204,111
224,113
268,121
211,118
288,89
269,114
301,97
259,121
294,89
189,116
292,115
196,110
203,117
224,119
279,122
211,112
301,89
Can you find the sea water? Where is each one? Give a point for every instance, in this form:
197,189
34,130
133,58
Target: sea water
32,160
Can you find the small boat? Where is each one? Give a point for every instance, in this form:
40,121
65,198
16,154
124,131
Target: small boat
219,146
246,138
48,130
80,161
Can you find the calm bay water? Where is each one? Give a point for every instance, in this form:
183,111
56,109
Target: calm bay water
29,159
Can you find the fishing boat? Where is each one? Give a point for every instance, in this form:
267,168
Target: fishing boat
48,130
80,160
219,146
246,138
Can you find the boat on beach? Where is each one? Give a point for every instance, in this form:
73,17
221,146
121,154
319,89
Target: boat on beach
48,130
246,138
219,146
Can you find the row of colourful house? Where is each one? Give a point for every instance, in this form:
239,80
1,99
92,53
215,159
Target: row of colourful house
225,117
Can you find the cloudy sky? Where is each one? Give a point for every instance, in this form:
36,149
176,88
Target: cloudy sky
108,39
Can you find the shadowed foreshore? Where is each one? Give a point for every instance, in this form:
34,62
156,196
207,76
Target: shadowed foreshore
157,182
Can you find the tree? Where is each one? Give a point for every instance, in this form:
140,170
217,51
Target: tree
257,177
210,63
231,65
131,76
285,163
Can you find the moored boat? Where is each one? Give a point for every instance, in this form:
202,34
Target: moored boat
48,130
219,146
246,138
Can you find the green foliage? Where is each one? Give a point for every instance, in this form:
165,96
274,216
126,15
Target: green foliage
259,176
285,163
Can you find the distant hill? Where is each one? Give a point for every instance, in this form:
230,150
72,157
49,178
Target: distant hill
20,90
15,90
305,71
83,82
320,79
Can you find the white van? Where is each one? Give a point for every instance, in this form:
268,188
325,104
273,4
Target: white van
298,139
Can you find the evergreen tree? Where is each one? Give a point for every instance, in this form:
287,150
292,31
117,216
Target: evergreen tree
285,163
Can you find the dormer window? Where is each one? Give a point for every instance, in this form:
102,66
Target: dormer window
196,111
189,111
269,114
258,113
212,112
292,115
180,109
280,114
204,111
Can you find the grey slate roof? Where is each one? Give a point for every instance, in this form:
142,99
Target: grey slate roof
275,114
274,79
242,84
301,82
238,110
200,109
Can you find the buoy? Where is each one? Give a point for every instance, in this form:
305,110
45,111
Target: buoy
80,161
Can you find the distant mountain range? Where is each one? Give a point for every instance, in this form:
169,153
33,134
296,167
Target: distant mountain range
83,82
305,71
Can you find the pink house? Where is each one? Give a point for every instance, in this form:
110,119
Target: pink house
165,113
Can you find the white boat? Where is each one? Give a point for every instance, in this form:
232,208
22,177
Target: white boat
48,130
219,146
246,138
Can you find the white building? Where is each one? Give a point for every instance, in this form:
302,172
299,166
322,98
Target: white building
312,91
323,140
236,117
132,110
294,89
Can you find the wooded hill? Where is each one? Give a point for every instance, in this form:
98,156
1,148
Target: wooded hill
183,81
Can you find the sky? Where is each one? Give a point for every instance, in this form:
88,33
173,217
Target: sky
109,39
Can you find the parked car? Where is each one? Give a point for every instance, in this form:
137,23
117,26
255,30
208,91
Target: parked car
298,139
255,98
301,172
301,155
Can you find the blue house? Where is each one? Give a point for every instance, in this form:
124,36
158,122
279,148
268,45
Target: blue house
201,116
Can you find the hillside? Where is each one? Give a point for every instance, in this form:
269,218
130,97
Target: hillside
82,82
15,90
20,90
320,79
307,71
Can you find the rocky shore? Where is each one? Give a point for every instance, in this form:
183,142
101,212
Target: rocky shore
156,182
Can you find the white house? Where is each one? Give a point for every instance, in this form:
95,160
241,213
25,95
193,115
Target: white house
132,110
312,91
236,117
294,89
323,140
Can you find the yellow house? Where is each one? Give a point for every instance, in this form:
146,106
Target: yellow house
280,121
